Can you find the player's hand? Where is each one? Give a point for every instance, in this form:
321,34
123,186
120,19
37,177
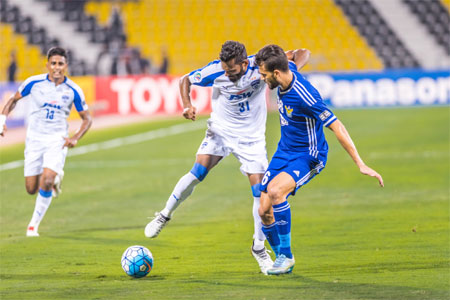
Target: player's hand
70,142
190,113
369,171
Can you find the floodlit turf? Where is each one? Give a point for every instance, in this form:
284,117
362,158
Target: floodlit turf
351,239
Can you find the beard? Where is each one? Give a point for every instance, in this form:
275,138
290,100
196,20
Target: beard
236,77
272,83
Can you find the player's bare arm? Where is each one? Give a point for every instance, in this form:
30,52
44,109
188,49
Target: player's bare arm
299,56
9,106
85,125
345,140
189,111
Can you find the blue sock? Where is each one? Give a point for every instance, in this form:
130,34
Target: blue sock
282,214
271,233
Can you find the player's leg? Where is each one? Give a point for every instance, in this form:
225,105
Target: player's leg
210,152
43,200
32,184
34,153
182,190
269,227
185,186
277,191
258,248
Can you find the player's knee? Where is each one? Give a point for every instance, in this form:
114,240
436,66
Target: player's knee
274,193
47,182
31,188
199,171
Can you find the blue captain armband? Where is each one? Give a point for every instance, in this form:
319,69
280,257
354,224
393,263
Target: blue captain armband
199,171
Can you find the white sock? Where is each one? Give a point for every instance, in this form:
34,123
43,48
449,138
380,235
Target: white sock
42,204
258,236
182,190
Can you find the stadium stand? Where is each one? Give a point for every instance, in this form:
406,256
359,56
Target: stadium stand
194,38
30,59
378,34
436,19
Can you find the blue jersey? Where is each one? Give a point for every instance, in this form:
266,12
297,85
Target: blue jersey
302,117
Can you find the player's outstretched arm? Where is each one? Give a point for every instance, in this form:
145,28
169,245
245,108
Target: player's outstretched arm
85,125
189,111
9,106
344,138
299,56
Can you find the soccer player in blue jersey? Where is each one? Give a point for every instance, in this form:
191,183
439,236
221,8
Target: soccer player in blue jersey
51,97
302,149
237,126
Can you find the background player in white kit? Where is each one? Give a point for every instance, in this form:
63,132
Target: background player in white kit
237,125
51,98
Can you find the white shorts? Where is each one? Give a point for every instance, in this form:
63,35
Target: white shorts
40,154
251,155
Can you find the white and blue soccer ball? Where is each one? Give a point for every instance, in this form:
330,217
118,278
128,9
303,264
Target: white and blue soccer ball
137,261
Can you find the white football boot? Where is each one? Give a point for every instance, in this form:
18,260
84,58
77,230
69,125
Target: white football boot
32,231
156,225
282,265
263,258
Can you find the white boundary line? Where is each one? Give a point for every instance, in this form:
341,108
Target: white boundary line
122,141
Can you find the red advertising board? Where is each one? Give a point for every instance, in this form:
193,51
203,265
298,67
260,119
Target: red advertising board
146,95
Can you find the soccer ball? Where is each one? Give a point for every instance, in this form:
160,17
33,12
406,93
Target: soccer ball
137,261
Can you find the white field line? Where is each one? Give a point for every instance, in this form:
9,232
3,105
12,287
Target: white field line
122,141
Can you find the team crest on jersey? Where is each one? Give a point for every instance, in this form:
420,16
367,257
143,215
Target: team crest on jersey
324,115
255,84
288,111
65,97
197,77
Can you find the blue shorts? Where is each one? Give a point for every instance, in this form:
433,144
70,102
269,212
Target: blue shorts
301,166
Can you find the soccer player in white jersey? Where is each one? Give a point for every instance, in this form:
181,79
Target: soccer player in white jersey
302,150
237,125
51,98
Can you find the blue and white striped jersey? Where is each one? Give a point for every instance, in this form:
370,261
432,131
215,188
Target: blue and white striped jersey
50,105
238,108
302,116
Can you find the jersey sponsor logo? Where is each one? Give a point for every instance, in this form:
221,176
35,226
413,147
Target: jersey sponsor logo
241,95
288,111
197,77
46,104
323,116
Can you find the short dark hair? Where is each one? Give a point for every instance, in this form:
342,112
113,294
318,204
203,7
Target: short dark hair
56,51
233,49
273,58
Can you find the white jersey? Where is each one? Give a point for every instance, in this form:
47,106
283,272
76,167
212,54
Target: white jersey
238,108
50,105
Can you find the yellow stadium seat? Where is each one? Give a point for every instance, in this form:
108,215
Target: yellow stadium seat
194,38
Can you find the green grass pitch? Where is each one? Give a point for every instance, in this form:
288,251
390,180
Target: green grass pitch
351,238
